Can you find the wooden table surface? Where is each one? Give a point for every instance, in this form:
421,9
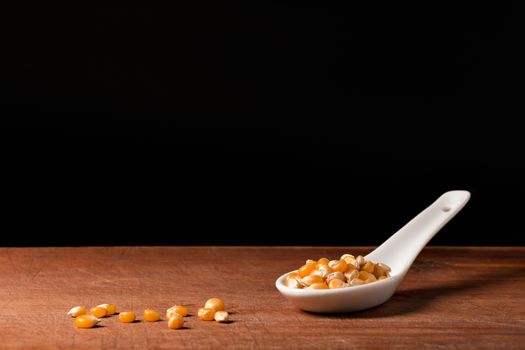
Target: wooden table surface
452,298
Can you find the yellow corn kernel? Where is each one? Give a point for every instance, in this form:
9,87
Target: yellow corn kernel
364,275
306,269
369,267
110,308
86,321
98,312
181,310
360,260
338,265
176,321
321,285
346,256
356,282
77,311
222,316
371,279
151,315
215,304
293,283
351,275
322,261
335,275
206,314
309,280
126,317
336,283
321,270
310,261
382,278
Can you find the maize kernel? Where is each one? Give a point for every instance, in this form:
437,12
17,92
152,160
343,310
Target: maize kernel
151,315
215,304
306,269
338,265
351,275
77,311
322,270
356,282
176,321
321,285
335,275
86,321
110,308
364,275
126,317
371,279
98,312
181,310
336,283
360,260
369,267
309,280
206,314
382,278
222,316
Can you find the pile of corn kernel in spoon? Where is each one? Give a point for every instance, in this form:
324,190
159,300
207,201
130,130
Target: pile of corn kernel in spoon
348,271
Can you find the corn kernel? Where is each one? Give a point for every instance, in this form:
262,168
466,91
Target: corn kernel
336,283
356,282
322,261
306,269
322,270
360,260
310,261
181,310
110,308
222,316
151,315
351,275
215,304
335,275
86,321
77,311
126,317
176,321
206,314
309,280
338,265
347,256
98,312
364,275
371,279
369,267
321,285
382,278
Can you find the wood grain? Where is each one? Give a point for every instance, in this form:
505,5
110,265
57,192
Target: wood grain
452,298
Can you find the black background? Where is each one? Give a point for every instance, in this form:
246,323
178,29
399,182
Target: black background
271,124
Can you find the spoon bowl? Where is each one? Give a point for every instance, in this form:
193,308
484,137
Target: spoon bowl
398,252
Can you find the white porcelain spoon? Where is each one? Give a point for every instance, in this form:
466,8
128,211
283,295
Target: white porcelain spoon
398,252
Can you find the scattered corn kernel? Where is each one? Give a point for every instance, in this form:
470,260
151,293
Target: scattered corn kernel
348,271
98,312
215,304
110,308
222,316
126,317
77,311
181,310
86,321
151,315
206,314
175,321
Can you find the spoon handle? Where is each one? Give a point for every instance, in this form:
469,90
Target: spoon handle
402,248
